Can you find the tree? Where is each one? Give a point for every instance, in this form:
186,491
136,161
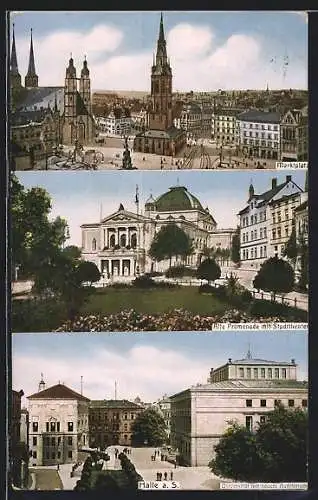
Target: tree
170,241
236,245
276,451
290,250
149,427
275,275
208,270
87,272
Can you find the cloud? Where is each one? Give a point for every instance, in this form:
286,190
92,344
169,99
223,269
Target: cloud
199,60
144,370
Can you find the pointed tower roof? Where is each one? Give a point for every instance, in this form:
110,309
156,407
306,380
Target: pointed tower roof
161,56
71,70
161,30
31,68
13,61
85,70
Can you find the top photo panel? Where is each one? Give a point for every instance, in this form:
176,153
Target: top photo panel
158,91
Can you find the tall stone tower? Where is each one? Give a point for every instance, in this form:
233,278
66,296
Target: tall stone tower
31,80
15,77
85,87
70,99
160,117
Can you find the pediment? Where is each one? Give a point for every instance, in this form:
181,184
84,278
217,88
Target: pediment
123,216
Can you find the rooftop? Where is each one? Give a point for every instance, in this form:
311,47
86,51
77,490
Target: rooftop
58,391
178,198
114,403
255,115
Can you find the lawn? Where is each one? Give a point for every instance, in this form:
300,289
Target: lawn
153,301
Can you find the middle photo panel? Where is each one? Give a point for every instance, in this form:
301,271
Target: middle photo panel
142,251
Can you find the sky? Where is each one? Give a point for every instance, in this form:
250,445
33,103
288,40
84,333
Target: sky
147,365
208,50
80,196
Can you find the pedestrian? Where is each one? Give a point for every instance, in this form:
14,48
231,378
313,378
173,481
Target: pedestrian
58,467
171,475
165,476
175,464
161,457
158,476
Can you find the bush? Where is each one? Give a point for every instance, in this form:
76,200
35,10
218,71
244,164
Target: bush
266,308
206,289
153,274
144,282
175,272
246,296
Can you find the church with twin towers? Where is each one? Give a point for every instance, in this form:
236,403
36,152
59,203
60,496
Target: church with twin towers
68,106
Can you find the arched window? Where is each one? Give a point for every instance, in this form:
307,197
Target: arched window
123,240
134,240
112,240
93,244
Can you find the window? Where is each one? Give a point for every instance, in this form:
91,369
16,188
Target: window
249,402
70,426
277,402
241,372
52,426
93,244
291,403
58,426
304,403
34,441
249,422
276,372
47,426
248,371
53,455
125,416
283,372
125,427
255,372
69,441
69,454
58,454
34,454
58,440
270,373
132,416
263,403
35,426
53,441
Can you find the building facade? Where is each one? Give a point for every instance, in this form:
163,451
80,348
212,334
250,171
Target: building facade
244,391
259,134
117,122
119,244
190,120
58,425
162,138
111,421
225,126
163,406
18,447
266,221
294,135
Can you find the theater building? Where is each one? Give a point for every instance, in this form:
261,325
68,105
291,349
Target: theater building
244,391
119,243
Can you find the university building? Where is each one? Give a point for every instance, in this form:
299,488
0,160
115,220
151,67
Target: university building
111,421
243,390
119,244
162,137
58,419
266,222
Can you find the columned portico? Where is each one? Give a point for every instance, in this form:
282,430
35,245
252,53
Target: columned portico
117,266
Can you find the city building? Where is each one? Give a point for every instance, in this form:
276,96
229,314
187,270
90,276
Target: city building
244,391
58,425
162,137
266,221
301,230
117,122
259,134
163,406
225,126
18,447
139,120
111,421
119,244
294,135
190,120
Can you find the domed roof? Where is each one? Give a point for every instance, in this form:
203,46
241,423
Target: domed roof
176,199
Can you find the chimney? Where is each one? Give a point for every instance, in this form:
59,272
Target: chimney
288,178
230,360
274,182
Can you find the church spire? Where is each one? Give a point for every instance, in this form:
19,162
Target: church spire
13,61
31,79
161,56
41,384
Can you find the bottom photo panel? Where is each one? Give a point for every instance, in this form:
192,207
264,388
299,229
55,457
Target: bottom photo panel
168,410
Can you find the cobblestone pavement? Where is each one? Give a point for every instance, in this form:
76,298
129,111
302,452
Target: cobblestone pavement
194,478
46,479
